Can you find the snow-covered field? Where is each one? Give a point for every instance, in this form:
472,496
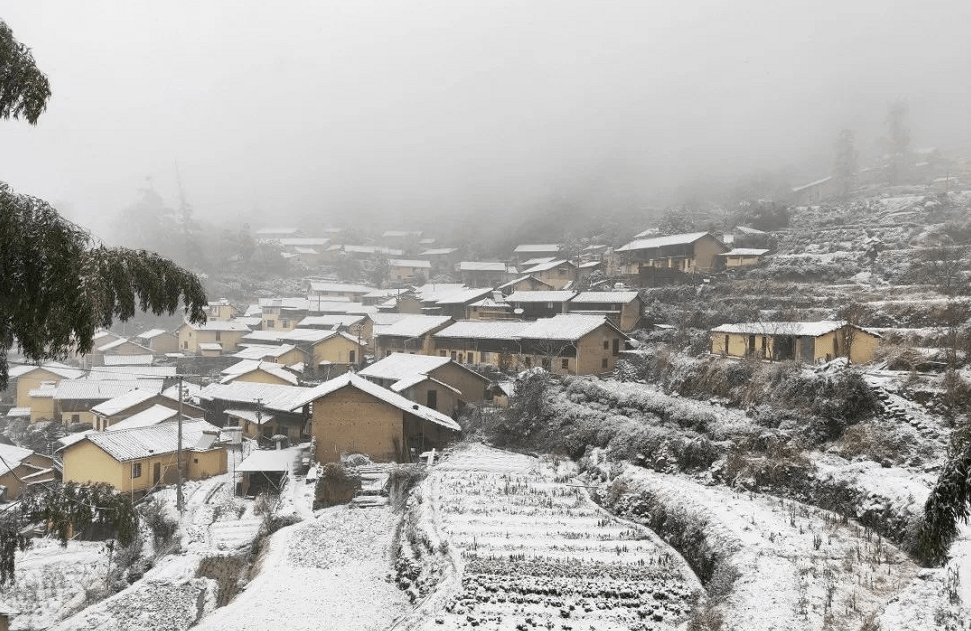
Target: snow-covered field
536,552
330,572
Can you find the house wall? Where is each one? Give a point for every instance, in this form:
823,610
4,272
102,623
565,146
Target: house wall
86,462
205,464
33,381
337,351
127,348
67,416
472,386
12,480
603,343
163,343
864,345
385,345
189,339
447,402
705,250
558,277
742,261
41,408
273,320
260,376
349,420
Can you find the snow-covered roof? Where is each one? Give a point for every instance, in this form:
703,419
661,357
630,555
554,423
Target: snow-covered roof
410,263
415,326
262,232
18,412
483,330
389,397
299,249
386,319
744,252
149,334
747,230
401,365
397,234
104,389
569,326
128,360
114,344
122,402
151,416
660,242
313,336
189,390
272,460
543,267
293,304
250,322
257,418
339,288
142,442
808,329
57,368
438,251
481,266
248,366
11,456
797,189
70,439
210,346
303,241
336,305
536,247
218,325
45,391
463,296
260,351
540,296
108,372
538,260
601,297
270,396
339,319
403,384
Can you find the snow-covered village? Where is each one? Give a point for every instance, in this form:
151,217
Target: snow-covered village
254,376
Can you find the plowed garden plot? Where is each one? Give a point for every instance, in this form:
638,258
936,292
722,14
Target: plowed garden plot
538,553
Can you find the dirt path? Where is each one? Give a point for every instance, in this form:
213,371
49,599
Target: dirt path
537,553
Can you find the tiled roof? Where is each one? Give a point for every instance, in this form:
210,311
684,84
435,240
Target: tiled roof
151,416
142,442
12,456
536,247
210,346
463,296
599,297
745,252
660,242
414,326
260,351
59,369
401,365
339,288
481,266
128,360
389,397
91,389
809,329
149,334
247,366
218,325
438,251
483,330
340,319
408,382
543,267
539,296
123,402
104,373
270,460
270,396
410,263
570,326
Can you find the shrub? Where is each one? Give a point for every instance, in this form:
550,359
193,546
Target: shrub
401,479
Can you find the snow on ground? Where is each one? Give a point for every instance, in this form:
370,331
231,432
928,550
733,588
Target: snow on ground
331,572
51,581
537,552
800,567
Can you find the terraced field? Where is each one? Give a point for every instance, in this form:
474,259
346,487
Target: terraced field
538,553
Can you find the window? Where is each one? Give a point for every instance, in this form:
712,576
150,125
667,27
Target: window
271,324
616,349
219,335
603,362
485,357
195,460
453,356
528,361
136,470
285,324
469,357
606,344
565,364
432,400
547,363
75,418
442,354
185,345
352,356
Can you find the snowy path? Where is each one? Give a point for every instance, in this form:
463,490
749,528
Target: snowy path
331,572
800,567
537,552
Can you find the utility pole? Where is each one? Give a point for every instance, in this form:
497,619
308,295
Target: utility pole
179,499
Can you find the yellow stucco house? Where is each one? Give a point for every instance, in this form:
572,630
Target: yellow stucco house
20,467
258,371
227,335
353,415
437,382
140,459
687,253
31,377
799,341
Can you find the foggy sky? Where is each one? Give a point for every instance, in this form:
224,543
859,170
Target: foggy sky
275,110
